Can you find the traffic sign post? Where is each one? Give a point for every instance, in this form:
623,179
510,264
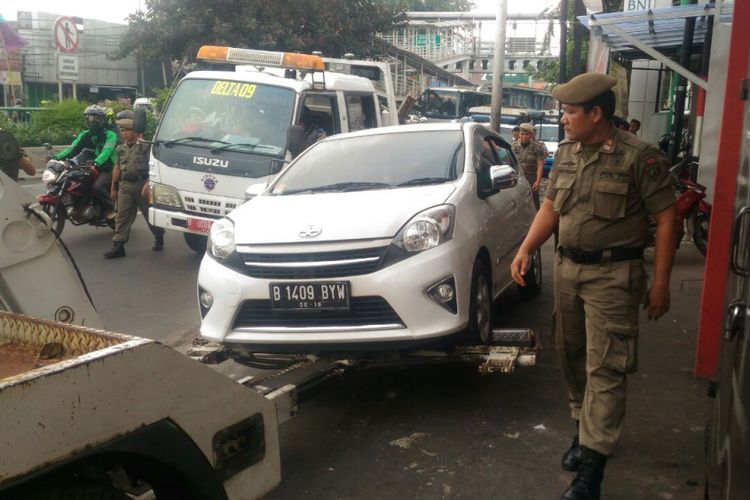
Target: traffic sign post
67,38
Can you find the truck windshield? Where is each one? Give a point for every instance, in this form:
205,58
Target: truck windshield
226,115
451,103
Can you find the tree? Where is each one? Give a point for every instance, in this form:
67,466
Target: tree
430,5
173,29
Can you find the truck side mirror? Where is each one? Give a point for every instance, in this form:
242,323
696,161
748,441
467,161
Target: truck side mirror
139,120
295,138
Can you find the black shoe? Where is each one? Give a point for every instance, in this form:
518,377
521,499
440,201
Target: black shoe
118,250
587,484
571,460
158,244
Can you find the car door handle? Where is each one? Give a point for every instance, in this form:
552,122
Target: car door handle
738,257
513,204
734,322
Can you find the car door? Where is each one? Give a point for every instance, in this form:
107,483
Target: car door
497,211
730,443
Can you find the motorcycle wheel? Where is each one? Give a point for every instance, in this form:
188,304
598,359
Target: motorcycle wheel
699,223
56,213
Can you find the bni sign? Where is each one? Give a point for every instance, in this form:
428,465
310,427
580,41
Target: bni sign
67,67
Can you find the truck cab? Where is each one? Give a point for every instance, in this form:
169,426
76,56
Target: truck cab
225,130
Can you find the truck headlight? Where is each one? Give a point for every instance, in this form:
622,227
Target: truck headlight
221,239
165,195
427,229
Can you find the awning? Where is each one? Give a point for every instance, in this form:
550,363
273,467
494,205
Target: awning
655,33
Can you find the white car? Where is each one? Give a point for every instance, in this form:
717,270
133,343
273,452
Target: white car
386,239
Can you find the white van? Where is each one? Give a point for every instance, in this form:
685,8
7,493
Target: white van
222,131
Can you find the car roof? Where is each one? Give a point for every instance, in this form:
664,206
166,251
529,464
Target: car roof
417,127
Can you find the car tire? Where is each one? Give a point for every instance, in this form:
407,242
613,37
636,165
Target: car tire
533,277
196,242
480,306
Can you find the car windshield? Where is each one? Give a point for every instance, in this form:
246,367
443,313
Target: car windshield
379,161
548,133
248,117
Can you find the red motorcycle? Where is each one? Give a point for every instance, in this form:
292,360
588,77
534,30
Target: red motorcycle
69,193
692,207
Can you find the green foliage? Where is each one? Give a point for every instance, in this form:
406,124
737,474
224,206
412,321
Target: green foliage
173,29
430,5
161,96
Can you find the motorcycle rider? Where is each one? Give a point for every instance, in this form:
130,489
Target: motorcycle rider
103,142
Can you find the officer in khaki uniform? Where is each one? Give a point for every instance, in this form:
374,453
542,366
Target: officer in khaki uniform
128,179
530,155
603,184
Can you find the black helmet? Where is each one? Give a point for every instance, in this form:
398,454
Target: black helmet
94,117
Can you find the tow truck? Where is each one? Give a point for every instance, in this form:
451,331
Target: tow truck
89,413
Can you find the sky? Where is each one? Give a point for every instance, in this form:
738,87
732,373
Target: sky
117,10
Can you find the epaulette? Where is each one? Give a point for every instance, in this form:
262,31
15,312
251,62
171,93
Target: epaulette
632,141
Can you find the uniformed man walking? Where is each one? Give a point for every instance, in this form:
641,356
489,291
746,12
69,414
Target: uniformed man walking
603,184
129,176
530,155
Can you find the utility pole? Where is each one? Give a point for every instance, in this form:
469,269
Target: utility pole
578,33
498,65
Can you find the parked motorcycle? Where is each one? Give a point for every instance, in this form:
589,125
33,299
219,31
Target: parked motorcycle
692,207
69,193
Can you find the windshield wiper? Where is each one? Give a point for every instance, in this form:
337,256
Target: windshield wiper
425,180
232,145
341,186
191,139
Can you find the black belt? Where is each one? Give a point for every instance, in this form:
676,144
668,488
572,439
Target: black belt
598,256
134,178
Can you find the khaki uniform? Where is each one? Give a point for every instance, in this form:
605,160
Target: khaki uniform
528,156
603,199
133,163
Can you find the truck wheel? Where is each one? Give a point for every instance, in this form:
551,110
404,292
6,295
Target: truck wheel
196,242
57,214
533,277
480,306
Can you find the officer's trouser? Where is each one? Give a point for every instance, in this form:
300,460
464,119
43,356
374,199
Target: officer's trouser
129,200
596,333
531,178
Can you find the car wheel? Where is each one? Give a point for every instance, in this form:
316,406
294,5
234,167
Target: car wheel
196,242
533,277
480,306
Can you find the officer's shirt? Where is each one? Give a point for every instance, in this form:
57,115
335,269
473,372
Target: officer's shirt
133,159
528,156
604,199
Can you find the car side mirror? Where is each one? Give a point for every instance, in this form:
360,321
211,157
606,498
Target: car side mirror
139,120
254,190
503,177
295,138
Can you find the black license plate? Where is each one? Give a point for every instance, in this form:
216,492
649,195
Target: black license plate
329,295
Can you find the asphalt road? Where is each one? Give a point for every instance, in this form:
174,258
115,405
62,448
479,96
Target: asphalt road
440,432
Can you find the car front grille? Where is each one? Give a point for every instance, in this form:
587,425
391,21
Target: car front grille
208,205
363,311
312,265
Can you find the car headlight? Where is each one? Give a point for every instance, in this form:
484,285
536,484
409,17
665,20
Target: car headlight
221,239
49,176
427,229
165,195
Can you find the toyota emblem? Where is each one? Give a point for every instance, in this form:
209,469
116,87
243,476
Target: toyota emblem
310,231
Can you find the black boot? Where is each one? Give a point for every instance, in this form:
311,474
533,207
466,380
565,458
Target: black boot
571,460
118,250
158,243
587,484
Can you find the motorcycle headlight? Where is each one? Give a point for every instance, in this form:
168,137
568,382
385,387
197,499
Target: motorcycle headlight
165,195
49,176
427,229
221,239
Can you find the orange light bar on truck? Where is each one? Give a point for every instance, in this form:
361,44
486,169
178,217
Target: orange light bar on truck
260,58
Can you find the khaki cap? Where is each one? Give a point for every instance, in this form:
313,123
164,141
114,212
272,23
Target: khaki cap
528,127
125,123
583,88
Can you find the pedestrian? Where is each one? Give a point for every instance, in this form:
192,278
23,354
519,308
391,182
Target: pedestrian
603,185
530,155
128,179
635,126
19,161
515,132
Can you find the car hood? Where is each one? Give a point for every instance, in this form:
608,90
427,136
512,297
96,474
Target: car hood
338,216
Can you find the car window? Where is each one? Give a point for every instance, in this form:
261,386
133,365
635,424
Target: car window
382,160
360,110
